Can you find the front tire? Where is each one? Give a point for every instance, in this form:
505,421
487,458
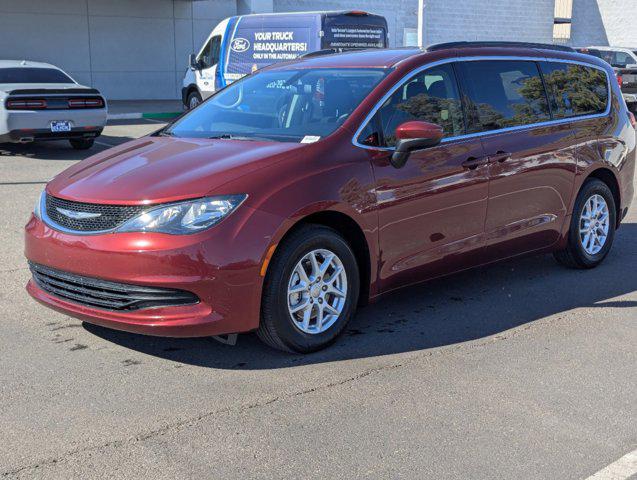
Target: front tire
194,99
310,291
82,143
592,228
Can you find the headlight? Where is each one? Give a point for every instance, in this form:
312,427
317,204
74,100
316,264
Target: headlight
37,208
184,217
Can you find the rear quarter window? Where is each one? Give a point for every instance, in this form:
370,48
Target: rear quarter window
575,90
503,93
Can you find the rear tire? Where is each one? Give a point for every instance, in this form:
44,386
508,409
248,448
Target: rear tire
82,143
592,228
194,99
331,284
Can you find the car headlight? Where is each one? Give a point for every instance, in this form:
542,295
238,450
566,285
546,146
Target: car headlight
185,217
37,208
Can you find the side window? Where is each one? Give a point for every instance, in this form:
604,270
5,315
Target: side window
210,54
430,96
621,59
215,47
503,94
204,56
575,89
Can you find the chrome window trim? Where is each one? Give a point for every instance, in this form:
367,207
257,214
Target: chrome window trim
427,66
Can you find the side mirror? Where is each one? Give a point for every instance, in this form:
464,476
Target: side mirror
193,62
414,135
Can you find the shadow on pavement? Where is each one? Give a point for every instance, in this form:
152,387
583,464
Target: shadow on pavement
459,308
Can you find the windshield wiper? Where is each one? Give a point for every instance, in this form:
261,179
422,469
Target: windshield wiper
228,136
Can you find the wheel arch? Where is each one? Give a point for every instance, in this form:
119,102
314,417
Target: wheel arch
351,231
188,90
608,177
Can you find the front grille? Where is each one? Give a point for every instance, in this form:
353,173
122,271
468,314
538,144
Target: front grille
107,216
93,292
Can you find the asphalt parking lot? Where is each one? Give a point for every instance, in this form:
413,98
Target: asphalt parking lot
523,370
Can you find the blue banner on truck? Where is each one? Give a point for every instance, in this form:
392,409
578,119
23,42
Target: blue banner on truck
254,44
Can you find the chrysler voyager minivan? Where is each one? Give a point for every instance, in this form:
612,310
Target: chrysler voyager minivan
308,188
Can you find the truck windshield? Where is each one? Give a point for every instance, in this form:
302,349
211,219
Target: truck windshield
280,105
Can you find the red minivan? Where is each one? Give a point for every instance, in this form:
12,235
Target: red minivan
308,188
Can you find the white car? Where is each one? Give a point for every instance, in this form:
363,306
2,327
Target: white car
38,101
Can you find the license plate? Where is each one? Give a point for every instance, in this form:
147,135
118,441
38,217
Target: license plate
61,126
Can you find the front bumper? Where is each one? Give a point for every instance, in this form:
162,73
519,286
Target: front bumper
228,288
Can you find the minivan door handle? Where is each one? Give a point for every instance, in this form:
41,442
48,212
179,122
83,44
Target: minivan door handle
499,157
472,163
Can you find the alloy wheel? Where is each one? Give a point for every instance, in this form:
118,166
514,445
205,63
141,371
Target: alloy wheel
317,291
594,224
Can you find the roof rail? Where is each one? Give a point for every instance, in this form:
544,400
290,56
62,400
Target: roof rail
544,46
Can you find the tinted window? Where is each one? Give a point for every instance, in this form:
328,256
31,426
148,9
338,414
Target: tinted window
431,96
503,94
215,45
210,54
575,89
33,75
283,105
615,58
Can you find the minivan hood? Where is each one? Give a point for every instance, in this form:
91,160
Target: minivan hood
160,169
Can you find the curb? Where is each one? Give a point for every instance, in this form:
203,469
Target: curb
133,116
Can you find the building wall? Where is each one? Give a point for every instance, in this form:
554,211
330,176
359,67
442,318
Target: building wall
138,49
604,22
400,14
514,20
127,49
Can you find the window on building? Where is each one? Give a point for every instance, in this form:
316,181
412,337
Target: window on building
430,96
575,89
503,94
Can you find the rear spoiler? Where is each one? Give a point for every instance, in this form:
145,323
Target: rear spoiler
44,91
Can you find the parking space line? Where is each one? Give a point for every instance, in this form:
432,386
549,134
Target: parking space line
622,469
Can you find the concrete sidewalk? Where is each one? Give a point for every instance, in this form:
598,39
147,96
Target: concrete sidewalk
131,109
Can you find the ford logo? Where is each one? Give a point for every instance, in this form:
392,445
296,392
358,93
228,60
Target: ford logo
240,45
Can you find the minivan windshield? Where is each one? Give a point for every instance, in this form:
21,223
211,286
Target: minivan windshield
280,105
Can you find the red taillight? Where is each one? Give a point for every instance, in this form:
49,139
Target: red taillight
631,117
620,80
357,13
86,103
26,104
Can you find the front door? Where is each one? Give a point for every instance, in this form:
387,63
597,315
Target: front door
431,212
